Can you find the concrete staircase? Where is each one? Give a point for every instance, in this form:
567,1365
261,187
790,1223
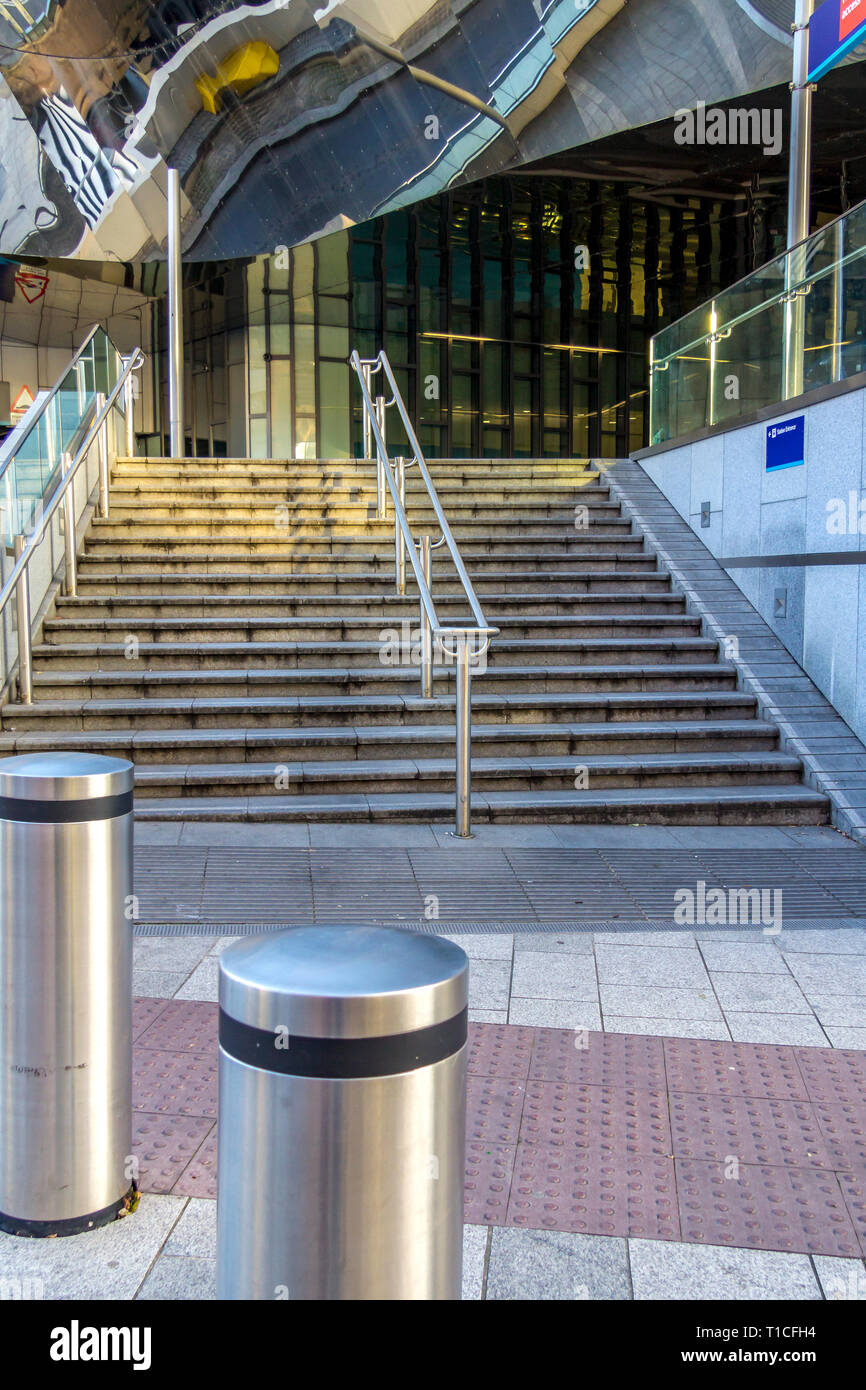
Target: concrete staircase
228,637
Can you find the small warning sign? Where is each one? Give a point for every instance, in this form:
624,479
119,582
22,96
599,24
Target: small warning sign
22,403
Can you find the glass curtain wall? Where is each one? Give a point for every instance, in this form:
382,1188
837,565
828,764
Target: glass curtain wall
516,313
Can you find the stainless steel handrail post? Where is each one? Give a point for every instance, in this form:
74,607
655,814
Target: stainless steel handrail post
70,586
25,653
102,450
380,462
463,714
129,415
368,433
400,549
426,634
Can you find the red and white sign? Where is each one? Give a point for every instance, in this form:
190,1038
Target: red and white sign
32,284
23,402
851,13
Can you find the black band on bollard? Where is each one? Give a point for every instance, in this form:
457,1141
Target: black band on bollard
69,1226
65,812
341,1058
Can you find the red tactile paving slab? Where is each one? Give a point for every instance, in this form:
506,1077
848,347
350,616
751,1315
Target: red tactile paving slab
612,1122
164,1145
493,1109
487,1183
556,1191
184,1025
759,1070
603,1059
776,1132
175,1083
144,1011
764,1208
844,1131
499,1049
199,1178
853,1187
833,1075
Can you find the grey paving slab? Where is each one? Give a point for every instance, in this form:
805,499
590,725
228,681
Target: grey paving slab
555,1013
180,1278
499,836
475,1240
158,984
158,833
730,837
170,953
795,1030
752,958
847,1037
669,1027
488,1015
650,1001
195,1232
829,974
556,1265
483,946
680,941
544,975
617,836
841,1280
203,983
840,941
665,966
560,943
235,834
330,834
676,1270
752,993
839,1010
110,1262
489,982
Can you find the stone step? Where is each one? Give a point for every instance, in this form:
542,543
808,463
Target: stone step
326,743
332,680
137,495
754,805
547,650
330,570
322,471
595,773
268,711
160,538
103,633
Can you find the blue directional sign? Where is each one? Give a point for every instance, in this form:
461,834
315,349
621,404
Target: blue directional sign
786,444
835,28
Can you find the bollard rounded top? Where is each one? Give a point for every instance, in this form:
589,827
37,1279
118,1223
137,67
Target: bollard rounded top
343,982
64,777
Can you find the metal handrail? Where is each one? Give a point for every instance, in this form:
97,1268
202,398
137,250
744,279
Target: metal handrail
43,405
470,640
18,582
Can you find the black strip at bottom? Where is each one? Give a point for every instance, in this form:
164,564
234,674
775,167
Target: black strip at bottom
24,809
342,1058
73,1226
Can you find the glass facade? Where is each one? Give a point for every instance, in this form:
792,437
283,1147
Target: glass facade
517,314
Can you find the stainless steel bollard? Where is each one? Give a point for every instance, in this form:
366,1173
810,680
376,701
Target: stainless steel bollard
65,992
342,1115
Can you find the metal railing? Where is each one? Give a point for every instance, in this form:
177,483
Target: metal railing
465,643
26,541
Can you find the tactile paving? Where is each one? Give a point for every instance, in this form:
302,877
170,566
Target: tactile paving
764,1208
753,1131
555,1191
604,1059
493,1108
853,1187
175,1083
164,1145
499,1049
199,1177
844,1131
760,1070
611,1122
833,1074
184,1025
144,1011
487,1183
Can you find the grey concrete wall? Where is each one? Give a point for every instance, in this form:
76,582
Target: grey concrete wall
797,511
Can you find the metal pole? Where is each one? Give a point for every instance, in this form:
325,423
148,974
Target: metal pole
838,298
71,575
714,350
102,450
342,1062
129,415
464,740
426,634
399,544
66,913
368,429
799,183
175,319
22,600
381,485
